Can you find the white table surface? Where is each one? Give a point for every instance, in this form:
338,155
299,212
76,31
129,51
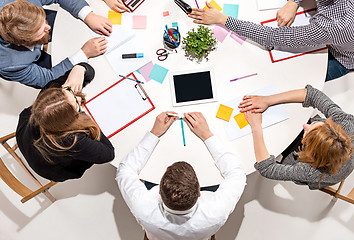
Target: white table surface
229,61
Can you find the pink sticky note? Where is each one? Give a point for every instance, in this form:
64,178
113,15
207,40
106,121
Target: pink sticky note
145,71
139,22
220,32
165,14
238,38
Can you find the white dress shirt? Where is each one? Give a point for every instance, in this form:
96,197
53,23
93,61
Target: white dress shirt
198,223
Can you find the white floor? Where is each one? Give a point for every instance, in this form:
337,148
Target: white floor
92,207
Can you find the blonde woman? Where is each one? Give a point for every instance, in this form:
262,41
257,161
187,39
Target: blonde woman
323,151
57,139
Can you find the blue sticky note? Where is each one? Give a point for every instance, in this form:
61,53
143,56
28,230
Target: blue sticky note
174,24
158,73
231,10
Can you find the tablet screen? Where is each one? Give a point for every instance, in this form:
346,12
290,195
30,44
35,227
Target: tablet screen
193,86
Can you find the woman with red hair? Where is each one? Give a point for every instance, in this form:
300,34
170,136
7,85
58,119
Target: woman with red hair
323,151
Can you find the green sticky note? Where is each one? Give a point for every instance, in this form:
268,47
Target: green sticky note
231,10
174,24
158,73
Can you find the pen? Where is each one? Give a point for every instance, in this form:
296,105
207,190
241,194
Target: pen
132,55
184,140
170,32
172,114
174,40
243,77
196,3
131,79
168,36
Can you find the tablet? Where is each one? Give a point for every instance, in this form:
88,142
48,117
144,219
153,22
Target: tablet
193,87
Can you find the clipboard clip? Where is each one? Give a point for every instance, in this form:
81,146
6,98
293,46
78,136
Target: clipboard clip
141,91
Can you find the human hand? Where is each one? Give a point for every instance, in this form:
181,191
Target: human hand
116,5
257,104
208,16
286,15
75,78
95,47
162,123
254,119
198,125
99,24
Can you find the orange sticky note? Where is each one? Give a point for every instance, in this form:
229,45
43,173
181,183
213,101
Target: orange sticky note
241,120
115,17
224,112
214,4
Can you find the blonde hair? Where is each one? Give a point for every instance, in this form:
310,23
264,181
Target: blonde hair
19,21
327,146
57,119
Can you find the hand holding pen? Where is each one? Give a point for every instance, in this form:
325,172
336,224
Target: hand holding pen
162,123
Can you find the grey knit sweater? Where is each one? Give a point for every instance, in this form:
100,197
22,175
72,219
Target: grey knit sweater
302,173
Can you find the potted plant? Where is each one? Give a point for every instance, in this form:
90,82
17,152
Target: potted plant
198,44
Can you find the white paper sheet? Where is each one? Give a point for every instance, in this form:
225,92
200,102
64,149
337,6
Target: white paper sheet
270,4
125,66
272,115
118,37
118,106
280,53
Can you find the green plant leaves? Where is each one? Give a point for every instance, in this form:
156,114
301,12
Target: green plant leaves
198,44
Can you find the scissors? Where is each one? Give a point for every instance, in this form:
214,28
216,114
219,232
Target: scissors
162,54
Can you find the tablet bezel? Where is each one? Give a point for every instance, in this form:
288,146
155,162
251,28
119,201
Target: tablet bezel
213,86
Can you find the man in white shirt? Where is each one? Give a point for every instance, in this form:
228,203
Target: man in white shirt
177,209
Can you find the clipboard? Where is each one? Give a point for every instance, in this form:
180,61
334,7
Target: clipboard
132,4
118,106
283,53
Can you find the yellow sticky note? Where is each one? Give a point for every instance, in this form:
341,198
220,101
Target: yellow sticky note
214,4
241,120
224,112
115,17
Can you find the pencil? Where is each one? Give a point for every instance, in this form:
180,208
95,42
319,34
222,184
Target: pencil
184,140
243,77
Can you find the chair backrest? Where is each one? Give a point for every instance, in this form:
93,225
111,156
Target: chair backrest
336,193
13,182
211,238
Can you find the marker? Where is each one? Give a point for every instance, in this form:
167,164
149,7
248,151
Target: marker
174,39
243,77
184,140
133,55
131,79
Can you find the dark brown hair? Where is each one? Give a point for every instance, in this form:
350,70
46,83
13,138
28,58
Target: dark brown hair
327,146
179,187
56,119
19,21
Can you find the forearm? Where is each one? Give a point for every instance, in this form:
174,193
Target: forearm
74,7
260,149
299,36
293,96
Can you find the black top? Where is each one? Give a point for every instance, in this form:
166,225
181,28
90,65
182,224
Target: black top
70,164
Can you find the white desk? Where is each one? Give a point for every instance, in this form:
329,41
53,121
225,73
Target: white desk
230,60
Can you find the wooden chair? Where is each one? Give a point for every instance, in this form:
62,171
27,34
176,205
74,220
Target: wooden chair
212,237
13,182
336,193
